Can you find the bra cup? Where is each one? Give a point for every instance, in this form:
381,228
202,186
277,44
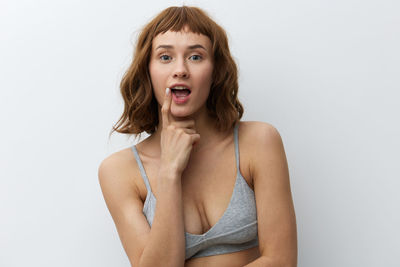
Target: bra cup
244,235
237,229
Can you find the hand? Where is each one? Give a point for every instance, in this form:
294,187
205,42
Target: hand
177,138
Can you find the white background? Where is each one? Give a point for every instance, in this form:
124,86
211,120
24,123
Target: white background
324,73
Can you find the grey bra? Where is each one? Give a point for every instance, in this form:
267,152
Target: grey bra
237,228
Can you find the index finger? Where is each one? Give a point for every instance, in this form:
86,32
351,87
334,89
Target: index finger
165,109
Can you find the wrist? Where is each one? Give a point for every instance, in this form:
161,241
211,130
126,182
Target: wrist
169,172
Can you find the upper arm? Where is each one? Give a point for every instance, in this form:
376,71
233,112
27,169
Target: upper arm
275,211
125,206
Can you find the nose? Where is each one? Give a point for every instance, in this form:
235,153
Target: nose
181,70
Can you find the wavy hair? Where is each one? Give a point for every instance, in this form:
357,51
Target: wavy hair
141,107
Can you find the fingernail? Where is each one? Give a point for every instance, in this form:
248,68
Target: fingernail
167,91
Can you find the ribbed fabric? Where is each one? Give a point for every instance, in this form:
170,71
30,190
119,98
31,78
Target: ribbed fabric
237,228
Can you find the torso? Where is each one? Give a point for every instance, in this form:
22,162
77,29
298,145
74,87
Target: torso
207,186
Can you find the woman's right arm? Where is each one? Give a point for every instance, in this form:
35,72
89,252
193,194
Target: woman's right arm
164,243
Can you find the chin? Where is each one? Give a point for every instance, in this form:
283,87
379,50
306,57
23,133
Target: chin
180,112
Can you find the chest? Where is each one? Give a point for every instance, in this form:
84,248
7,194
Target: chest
208,183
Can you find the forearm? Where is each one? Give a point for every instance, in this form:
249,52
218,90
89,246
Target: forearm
166,243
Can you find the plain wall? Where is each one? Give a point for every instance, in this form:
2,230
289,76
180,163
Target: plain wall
324,73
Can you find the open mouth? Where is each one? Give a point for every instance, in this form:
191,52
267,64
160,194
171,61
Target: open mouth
180,92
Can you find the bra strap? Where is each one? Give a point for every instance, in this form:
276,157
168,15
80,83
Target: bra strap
142,171
236,130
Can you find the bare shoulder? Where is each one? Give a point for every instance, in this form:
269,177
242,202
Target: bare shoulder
116,173
255,144
255,133
118,165
261,142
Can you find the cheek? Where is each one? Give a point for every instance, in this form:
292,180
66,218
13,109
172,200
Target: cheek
206,78
158,96
154,75
157,81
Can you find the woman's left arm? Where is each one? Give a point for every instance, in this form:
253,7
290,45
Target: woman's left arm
277,231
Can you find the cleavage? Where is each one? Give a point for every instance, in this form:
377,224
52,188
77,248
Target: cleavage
206,195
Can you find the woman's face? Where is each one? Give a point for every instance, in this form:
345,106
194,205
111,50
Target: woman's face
182,58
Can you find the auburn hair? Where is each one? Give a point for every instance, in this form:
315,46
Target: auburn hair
140,105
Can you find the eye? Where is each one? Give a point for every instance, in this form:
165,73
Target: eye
162,57
198,56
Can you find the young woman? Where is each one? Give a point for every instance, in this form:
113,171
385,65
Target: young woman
204,189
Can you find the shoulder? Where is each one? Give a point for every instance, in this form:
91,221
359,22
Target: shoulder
265,150
113,162
117,169
256,133
262,142
259,143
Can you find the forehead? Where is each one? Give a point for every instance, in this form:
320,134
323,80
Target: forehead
182,38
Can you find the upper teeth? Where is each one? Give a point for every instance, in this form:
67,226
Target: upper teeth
179,87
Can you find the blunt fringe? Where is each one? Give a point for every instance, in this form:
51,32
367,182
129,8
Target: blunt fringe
141,107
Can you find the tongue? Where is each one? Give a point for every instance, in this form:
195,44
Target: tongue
181,93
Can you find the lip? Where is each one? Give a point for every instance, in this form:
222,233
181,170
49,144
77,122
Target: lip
180,84
180,100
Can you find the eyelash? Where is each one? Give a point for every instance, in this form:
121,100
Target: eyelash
168,56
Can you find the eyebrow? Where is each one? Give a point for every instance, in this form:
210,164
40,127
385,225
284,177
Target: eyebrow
190,46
